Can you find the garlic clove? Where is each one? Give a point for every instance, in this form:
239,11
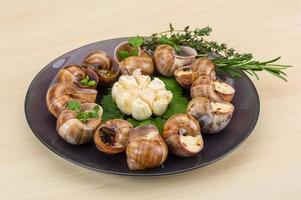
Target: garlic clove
116,90
156,85
142,80
140,109
128,82
148,96
164,94
160,106
124,102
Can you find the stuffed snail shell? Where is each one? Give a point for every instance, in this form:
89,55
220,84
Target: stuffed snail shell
143,62
59,94
77,76
185,76
213,116
75,131
204,67
168,61
113,136
182,135
146,149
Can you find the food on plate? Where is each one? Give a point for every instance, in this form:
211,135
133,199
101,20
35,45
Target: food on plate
59,94
102,64
139,96
168,60
146,149
78,122
204,67
113,136
213,116
182,134
185,76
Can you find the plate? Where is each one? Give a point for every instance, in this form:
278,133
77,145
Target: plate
216,146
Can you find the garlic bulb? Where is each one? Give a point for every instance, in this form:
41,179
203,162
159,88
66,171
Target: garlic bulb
139,96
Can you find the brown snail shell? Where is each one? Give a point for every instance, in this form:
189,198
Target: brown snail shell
204,67
213,116
214,90
125,46
113,136
59,94
72,130
143,62
73,74
168,61
185,76
146,149
103,65
182,134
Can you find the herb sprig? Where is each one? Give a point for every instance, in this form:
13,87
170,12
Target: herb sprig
223,57
135,42
83,116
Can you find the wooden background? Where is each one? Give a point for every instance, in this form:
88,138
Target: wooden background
266,166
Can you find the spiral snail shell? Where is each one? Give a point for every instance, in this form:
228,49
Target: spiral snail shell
168,61
74,131
73,74
182,134
59,94
99,59
204,67
213,116
113,136
185,76
146,149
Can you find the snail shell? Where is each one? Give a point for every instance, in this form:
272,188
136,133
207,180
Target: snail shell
103,65
215,90
204,67
185,76
167,61
73,130
73,74
213,116
146,148
143,62
113,136
182,134
59,94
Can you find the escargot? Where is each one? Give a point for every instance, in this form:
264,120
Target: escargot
103,65
73,130
167,60
213,116
143,62
185,76
182,134
113,136
74,75
146,149
215,90
59,94
204,67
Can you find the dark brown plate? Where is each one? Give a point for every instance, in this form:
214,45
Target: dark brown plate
216,146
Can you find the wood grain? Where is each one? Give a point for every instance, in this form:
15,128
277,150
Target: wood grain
266,166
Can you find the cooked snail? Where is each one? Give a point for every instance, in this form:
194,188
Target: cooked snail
213,116
113,136
77,76
168,61
204,67
182,134
59,94
215,90
103,66
140,97
146,148
185,76
73,130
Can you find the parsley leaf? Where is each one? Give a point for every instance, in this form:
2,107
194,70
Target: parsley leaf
136,42
73,105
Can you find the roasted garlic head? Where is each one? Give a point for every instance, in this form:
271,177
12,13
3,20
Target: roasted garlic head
139,96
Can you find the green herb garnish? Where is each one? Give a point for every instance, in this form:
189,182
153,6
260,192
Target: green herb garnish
176,106
224,58
83,116
87,81
135,42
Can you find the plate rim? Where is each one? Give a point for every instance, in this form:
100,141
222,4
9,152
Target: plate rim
248,132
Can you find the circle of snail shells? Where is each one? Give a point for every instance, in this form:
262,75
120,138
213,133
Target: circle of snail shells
136,94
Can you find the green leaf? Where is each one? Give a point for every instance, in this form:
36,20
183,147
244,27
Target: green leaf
73,105
110,109
136,42
123,54
91,83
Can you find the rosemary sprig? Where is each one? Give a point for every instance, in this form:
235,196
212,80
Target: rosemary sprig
224,58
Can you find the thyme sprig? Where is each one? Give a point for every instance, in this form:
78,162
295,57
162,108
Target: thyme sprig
223,57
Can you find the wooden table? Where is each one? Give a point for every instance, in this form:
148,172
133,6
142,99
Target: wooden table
266,166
